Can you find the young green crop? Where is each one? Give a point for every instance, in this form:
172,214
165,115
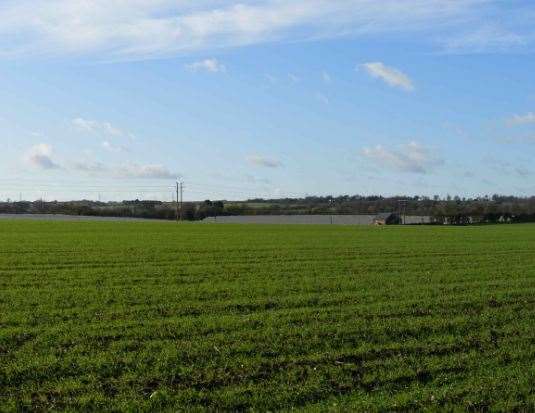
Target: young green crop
159,316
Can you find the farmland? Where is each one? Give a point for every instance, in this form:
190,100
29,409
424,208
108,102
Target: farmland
155,316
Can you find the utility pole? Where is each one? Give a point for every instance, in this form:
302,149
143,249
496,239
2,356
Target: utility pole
181,203
403,210
179,199
177,204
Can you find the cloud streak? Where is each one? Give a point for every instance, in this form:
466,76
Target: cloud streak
138,29
487,38
154,171
41,157
129,170
411,158
389,75
111,147
207,65
98,127
522,119
257,160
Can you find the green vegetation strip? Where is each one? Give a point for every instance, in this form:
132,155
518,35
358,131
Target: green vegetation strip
155,316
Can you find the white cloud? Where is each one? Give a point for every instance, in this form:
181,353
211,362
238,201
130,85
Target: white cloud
136,29
130,170
326,77
207,65
90,167
111,147
258,160
93,126
40,157
145,171
412,157
389,75
522,119
484,39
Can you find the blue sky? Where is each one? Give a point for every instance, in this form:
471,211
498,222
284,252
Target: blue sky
114,99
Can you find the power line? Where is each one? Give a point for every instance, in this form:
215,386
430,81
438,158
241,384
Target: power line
98,189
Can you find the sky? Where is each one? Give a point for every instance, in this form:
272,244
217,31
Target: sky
118,99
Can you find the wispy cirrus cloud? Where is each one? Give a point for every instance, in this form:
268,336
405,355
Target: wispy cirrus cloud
112,147
521,119
412,157
507,167
99,127
128,170
90,167
139,29
152,171
488,38
207,65
389,75
258,160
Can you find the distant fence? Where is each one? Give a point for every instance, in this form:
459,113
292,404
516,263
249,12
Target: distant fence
308,219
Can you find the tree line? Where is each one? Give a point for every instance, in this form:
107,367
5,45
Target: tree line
450,210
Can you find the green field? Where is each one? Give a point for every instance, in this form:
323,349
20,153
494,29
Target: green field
161,316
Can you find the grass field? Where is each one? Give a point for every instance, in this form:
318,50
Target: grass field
156,316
